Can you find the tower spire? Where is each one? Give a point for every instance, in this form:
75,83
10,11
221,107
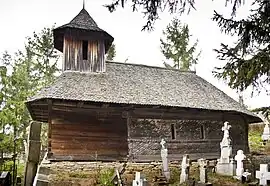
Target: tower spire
83,4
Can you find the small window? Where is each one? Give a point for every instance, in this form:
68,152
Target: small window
85,50
202,132
173,131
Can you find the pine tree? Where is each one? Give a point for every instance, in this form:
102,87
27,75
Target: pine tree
175,46
111,53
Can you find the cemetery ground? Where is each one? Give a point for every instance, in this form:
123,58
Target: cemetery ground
102,177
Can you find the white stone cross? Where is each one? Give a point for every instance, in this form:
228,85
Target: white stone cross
239,165
139,180
162,143
226,129
184,169
164,157
263,175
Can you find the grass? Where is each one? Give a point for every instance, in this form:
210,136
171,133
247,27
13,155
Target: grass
255,141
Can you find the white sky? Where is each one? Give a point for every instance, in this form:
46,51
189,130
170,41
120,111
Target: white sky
20,18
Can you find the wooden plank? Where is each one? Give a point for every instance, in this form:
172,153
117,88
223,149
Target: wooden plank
49,126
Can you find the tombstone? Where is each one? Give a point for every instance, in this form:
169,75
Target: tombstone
164,157
139,180
263,175
226,165
184,169
203,164
266,132
239,165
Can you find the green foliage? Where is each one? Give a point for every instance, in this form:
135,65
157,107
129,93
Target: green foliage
152,8
247,59
22,75
255,139
105,177
175,46
111,53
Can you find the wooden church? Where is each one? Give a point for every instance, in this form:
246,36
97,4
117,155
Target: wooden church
109,111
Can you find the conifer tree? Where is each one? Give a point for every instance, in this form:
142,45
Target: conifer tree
176,46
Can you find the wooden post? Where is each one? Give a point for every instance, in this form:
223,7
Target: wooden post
49,128
33,153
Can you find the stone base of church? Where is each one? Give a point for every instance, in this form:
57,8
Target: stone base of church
226,169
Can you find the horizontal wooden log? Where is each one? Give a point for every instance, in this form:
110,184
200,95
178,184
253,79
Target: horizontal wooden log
103,158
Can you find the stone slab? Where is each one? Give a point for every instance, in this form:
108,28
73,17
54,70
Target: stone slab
226,169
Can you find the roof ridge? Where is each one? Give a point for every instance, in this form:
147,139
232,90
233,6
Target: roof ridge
148,66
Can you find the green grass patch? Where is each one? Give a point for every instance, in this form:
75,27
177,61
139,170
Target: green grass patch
255,140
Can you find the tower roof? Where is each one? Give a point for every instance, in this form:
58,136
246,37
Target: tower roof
82,26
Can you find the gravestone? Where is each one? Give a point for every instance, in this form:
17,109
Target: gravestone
263,175
239,165
164,157
203,164
266,132
226,165
139,180
185,169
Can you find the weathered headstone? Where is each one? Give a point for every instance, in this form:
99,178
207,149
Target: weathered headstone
139,180
266,132
226,165
263,175
203,164
239,163
33,153
185,169
164,157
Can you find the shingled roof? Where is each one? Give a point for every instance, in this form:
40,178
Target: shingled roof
142,85
85,23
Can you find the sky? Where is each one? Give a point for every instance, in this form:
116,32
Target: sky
20,19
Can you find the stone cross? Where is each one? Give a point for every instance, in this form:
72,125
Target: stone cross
203,163
139,180
226,129
239,165
225,144
263,175
184,169
164,157
162,143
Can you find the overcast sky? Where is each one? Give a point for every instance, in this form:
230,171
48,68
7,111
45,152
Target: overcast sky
20,18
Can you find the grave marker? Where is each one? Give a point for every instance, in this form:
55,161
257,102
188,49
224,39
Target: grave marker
164,157
226,165
203,170
184,169
239,165
139,180
263,175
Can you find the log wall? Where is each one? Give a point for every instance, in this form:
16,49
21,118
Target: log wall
88,138
198,138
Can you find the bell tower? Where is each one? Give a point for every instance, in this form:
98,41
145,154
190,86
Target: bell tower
83,44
